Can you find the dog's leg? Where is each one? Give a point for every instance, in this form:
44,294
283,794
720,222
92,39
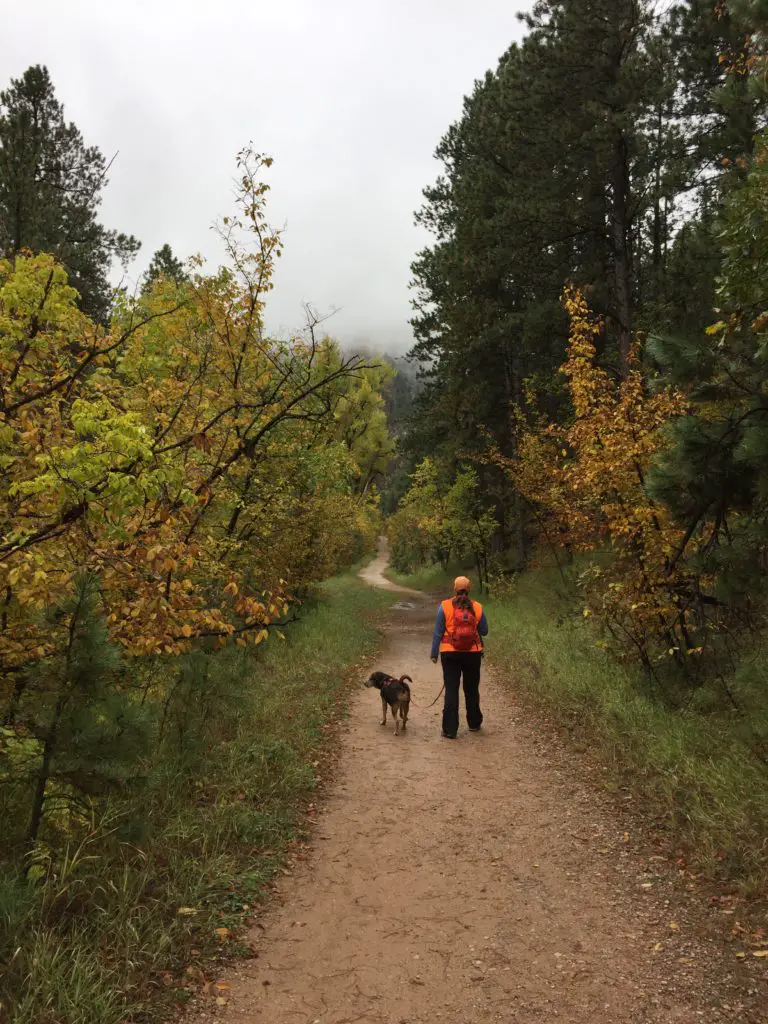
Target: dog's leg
404,707
397,720
383,711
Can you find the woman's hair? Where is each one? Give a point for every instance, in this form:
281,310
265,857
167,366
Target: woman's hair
463,600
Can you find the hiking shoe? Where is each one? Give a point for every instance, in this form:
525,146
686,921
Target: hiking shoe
477,728
446,736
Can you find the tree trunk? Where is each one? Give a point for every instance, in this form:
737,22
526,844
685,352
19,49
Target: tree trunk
514,402
658,218
479,567
622,249
38,804
39,800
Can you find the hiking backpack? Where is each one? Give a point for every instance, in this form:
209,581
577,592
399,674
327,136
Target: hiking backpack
464,635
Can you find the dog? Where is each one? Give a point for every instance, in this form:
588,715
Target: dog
395,695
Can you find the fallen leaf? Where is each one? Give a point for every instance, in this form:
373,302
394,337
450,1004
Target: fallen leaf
760,952
222,932
186,911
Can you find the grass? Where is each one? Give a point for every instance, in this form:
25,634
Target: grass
143,903
693,771
431,578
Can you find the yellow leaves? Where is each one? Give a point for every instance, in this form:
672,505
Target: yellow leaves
588,481
178,472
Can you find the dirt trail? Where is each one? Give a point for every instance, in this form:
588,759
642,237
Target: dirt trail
472,881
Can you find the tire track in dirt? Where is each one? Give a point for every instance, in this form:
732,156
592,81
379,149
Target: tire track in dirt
471,881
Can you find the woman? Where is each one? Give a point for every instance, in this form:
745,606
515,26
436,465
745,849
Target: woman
459,628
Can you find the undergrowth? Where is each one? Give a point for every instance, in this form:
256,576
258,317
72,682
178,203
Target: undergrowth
144,892
431,578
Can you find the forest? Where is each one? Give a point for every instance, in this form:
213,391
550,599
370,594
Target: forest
582,423
591,329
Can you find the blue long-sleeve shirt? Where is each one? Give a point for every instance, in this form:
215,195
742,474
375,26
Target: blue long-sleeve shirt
439,633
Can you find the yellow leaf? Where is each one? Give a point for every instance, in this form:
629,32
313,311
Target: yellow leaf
715,328
760,952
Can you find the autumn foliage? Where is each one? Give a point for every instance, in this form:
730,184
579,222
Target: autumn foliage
179,475
440,520
587,484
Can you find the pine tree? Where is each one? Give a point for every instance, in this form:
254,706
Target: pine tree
715,477
89,731
164,264
50,190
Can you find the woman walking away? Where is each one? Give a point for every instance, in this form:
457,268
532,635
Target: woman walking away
459,629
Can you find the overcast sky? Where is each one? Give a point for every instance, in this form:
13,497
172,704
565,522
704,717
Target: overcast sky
350,97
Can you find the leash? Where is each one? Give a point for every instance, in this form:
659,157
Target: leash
428,706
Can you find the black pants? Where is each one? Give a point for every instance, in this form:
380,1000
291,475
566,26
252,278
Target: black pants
458,664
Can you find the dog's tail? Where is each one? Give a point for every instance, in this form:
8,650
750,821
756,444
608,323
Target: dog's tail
403,679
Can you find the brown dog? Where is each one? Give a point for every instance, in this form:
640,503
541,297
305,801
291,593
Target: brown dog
395,695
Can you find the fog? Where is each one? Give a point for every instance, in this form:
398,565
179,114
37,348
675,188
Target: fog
350,98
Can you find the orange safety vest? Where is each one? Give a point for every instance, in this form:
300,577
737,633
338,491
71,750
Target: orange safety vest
445,644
